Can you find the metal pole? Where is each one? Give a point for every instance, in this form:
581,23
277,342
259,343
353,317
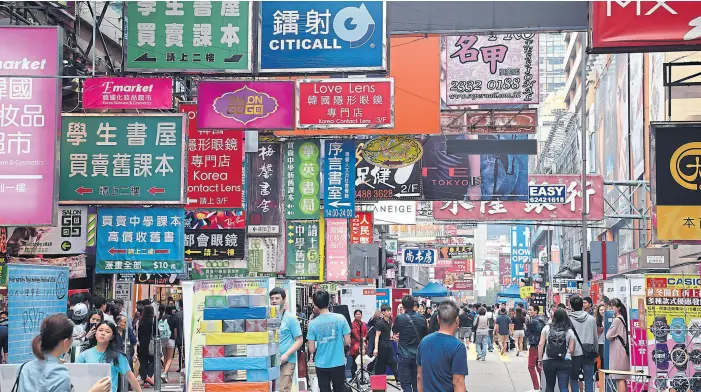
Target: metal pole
583,110
381,282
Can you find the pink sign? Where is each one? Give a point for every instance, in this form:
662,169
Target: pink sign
516,210
245,105
128,93
336,249
29,121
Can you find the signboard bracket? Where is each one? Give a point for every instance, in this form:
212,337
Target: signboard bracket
694,79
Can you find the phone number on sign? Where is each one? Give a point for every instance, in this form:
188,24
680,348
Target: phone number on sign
468,86
547,199
371,194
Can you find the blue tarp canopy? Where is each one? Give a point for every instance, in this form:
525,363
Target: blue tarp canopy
512,291
503,300
432,289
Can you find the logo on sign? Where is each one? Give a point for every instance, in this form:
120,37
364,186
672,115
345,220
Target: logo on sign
551,194
684,158
245,105
361,22
393,152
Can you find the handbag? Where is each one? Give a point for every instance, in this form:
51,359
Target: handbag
589,350
151,343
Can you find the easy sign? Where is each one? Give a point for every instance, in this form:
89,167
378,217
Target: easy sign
550,194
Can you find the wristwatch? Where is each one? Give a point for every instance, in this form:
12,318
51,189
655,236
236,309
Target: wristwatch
660,355
679,356
679,383
695,382
678,330
660,329
695,358
661,382
695,330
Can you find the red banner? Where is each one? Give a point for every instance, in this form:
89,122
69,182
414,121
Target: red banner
517,210
215,165
466,284
345,103
397,295
504,270
645,26
361,228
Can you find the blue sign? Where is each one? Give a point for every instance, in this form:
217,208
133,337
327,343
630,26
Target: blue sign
34,292
318,36
545,193
520,251
339,179
140,240
382,297
419,256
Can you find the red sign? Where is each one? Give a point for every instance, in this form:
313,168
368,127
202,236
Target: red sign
504,270
397,295
214,165
128,93
517,210
345,103
361,228
645,26
467,284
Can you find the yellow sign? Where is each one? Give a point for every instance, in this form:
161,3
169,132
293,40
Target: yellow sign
677,168
678,223
526,292
672,296
393,152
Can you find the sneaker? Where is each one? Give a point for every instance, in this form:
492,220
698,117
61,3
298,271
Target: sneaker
164,377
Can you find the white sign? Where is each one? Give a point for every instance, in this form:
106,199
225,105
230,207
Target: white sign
655,259
391,212
622,290
66,239
122,291
261,229
361,298
637,288
547,193
609,290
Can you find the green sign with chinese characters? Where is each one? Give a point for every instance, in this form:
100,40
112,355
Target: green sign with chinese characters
302,177
205,36
304,247
122,159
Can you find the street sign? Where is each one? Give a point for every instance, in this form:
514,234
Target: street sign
456,252
302,191
339,179
304,250
204,36
419,256
122,159
547,193
122,291
361,228
215,244
140,240
539,299
526,291
214,165
263,179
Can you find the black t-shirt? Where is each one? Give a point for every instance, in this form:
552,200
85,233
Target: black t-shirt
518,324
465,320
385,329
173,324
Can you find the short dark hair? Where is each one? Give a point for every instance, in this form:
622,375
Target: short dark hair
75,299
356,312
561,306
99,301
447,312
576,303
408,302
482,311
385,308
119,301
321,299
278,291
588,299
536,308
606,300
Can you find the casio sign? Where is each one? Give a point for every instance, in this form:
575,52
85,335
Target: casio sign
684,281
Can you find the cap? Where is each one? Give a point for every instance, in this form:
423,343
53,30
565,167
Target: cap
80,311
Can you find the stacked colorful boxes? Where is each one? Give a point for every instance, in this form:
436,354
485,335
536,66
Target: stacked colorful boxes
241,344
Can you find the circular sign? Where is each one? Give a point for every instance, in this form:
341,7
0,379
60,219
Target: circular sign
65,246
61,285
392,152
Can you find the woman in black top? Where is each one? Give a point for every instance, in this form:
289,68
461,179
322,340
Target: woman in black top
147,327
383,350
518,332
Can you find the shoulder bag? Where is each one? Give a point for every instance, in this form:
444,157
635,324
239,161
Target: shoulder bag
15,387
589,350
626,342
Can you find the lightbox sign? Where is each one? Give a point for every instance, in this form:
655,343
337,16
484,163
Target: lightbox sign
322,36
546,193
520,250
128,93
31,106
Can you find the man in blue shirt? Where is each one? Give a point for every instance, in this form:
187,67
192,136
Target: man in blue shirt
327,335
290,339
442,359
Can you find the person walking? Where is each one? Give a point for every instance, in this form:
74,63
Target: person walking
383,349
518,323
490,323
482,332
327,335
411,328
585,345
503,329
619,351
441,359
290,339
465,329
534,328
600,314
556,347
147,330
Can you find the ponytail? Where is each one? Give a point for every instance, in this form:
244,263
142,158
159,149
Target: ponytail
36,348
54,329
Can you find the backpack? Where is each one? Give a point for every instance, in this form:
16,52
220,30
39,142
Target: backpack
556,344
490,322
163,329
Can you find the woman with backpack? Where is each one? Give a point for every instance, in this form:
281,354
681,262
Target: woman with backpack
555,350
619,352
481,327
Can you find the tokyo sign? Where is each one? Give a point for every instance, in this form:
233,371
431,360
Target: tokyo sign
645,26
215,165
345,103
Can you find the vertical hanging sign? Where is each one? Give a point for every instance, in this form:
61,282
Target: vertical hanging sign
336,249
361,228
264,194
262,255
303,250
302,179
339,179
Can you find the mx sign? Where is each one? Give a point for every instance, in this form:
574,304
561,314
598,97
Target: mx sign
545,193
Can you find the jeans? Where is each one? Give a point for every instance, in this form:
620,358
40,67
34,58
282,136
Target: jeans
327,376
587,367
482,342
557,370
407,374
490,346
534,367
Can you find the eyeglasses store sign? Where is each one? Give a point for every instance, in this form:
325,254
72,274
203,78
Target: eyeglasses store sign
29,110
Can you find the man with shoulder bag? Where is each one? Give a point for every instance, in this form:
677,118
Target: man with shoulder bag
411,328
586,345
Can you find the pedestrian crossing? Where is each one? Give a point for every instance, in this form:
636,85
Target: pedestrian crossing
472,355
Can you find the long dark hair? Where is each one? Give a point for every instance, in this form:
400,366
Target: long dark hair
599,317
111,355
561,321
148,313
54,329
621,308
519,315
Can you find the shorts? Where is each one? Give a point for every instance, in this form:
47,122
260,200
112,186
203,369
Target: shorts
519,333
464,332
167,343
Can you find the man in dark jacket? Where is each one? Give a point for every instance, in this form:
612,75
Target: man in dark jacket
533,329
407,325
